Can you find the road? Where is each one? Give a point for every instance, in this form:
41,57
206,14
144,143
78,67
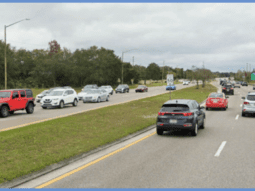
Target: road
21,118
220,156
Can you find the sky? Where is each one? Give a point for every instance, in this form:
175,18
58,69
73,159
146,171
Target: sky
219,35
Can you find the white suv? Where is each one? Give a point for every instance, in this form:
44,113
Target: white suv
108,89
59,98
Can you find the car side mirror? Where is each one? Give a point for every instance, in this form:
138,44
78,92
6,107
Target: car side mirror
243,97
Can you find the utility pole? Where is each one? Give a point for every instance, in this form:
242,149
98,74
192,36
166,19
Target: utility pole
163,70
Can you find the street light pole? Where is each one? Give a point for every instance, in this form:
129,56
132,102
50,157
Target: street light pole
5,62
123,60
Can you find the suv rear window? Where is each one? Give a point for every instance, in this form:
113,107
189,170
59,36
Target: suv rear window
29,93
174,108
251,97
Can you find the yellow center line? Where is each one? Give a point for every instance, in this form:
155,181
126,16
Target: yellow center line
91,163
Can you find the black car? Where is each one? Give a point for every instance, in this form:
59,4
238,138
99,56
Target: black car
180,114
244,84
122,88
228,88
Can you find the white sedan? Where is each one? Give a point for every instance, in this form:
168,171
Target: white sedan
109,89
96,95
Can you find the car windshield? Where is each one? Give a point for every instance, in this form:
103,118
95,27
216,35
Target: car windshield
94,92
56,93
5,94
174,108
140,87
216,95
85,90
121,86
45,92
251,97
88,87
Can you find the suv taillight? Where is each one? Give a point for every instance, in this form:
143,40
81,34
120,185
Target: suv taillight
161,113
246,103
224,88
188,114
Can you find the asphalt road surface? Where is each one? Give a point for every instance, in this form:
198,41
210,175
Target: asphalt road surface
220,156
20,118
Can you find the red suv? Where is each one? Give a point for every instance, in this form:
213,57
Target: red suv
16,99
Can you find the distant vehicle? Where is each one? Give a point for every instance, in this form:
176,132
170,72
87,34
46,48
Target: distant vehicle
96,95
141,88
170,82
228,88
185,83
12,100
41,95
122,88
90,86
180,114
59,98
83,93
235,84
248,106
253,86
216,100
109,89
244,84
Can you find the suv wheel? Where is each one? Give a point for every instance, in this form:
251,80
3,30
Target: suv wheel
30,108
61,104
203,124
243,114
4,111
44,107
194,131
159,131
107,99
127,91
98,100
75,102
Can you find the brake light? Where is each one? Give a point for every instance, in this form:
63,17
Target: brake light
231,88
161,124
161,113
188,114
246,103
224,88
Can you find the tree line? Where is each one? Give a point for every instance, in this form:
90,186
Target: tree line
58,66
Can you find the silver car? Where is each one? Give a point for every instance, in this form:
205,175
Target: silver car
96,95
107,88
41,95
248,104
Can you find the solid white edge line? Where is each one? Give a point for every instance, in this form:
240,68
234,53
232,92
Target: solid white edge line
220,148
241,105
237,117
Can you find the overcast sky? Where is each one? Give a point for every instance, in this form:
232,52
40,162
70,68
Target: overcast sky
222,36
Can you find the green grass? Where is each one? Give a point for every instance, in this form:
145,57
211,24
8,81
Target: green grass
31,148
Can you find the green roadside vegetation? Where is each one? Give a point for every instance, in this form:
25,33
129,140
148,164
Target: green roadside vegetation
32,148
37,91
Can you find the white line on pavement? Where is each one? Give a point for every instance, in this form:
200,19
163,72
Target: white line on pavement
237,117
220,148
241,105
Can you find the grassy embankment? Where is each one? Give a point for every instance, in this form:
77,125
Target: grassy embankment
31,148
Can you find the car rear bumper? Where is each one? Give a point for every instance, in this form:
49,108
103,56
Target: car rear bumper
168,127
211,105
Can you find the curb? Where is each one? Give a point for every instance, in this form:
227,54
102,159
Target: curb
26,178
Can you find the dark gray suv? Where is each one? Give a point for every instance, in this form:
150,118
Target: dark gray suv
180,114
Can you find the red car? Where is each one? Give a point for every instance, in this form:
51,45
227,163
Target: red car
141,88
217,100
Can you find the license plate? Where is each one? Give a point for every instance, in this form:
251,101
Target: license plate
227,90
173,121
215,101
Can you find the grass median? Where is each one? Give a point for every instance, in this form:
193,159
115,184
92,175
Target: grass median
32,148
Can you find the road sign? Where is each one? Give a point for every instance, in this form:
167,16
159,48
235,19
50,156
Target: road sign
170,79
253,76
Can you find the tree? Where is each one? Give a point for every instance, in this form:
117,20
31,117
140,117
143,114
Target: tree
153,72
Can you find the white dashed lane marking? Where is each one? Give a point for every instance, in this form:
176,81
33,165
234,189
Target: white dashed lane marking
241,105
217,154
237,117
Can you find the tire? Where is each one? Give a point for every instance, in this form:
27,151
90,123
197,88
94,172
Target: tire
206,108
203,124
11,112
30,108
61,104
127,91
4,112
75,102
111,93
243,114
98,100
159,131
107,99
194,131
44,107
